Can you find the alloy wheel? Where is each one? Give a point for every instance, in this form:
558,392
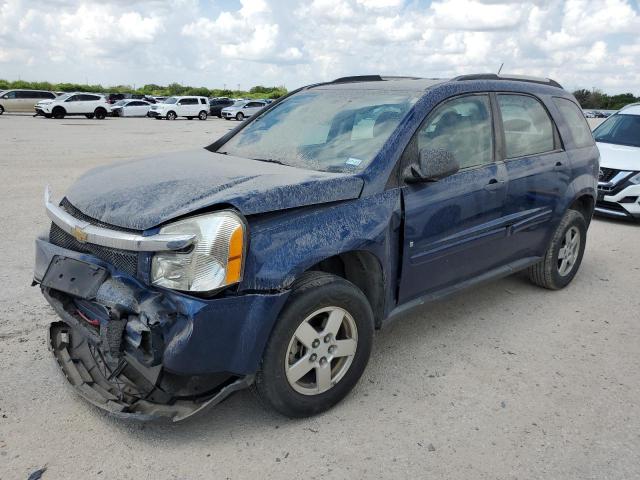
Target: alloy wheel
569,251
321,351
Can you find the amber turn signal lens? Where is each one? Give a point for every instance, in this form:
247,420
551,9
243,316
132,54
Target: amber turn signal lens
234,263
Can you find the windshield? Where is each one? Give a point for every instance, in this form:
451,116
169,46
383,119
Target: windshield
170,100
329,130
620,129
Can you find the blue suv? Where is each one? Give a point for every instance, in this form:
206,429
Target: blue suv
268,258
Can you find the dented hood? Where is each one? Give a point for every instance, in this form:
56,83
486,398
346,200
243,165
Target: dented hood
144,193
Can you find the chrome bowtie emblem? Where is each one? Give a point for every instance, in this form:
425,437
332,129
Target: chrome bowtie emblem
79,234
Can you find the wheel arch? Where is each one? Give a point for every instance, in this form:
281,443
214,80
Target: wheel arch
362,268
585,204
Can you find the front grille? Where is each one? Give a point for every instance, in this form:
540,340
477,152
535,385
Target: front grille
611,206
124,260
606,174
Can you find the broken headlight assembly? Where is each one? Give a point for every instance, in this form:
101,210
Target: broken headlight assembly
215,259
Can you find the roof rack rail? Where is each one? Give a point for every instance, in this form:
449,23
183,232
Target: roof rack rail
372,78
513,78
635,104
358,78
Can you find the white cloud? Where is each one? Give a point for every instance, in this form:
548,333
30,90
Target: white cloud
583,43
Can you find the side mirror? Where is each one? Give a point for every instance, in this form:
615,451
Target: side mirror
433,165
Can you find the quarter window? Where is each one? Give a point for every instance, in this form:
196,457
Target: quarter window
574,118
463,127
528,130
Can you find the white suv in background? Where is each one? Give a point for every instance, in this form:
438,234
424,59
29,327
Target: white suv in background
174,107
78,103
618,139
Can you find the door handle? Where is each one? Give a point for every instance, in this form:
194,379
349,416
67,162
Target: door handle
493,185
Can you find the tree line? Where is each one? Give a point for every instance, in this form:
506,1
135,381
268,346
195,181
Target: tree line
258,91
595,99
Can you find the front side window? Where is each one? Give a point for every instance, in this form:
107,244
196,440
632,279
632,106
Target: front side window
619,129
463,127
10,95
574,118
528,130
327,129
171,100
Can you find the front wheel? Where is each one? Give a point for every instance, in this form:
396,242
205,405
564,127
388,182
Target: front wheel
202,115
1,109
240,116
171,116
319,348
564,254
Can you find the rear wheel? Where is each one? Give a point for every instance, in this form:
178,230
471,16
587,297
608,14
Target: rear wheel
202,115
564,254
89,116
47,115
100,113
240,116
1,109
319,348
171,116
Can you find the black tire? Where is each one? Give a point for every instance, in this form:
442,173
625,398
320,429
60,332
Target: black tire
100,113
158,118
189,118
240,116
227,118
47,115
171,115
1,109
89,115
546,273
219,115
202,115
58,112
313,291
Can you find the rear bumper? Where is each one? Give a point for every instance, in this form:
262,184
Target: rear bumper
174,354
624,204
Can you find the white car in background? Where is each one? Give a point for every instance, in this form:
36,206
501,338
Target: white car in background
618,139
130,108
77,103
174,107
242,109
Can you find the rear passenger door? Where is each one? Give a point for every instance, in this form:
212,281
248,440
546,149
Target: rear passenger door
453,227
538,173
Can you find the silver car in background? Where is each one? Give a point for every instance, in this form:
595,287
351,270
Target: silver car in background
242,109
130,108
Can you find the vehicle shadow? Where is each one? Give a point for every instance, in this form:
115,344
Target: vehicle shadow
426,328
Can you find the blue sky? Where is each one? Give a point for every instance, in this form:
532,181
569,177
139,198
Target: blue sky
580,43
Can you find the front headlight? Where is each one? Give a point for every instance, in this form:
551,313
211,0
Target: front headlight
215,260
635,179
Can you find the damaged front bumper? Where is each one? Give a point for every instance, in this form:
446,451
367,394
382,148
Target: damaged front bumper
148,353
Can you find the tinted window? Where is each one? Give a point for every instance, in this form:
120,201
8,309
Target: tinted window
463,127
10,95
574,118
203,101
73,98
528,130
135,104
619,129
188,101
255,104
27,94
47,95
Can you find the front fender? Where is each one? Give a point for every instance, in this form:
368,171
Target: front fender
286,244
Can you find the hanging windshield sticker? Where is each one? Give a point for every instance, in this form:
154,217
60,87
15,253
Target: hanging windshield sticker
353,161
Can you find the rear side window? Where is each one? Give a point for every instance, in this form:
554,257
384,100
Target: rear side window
189,101
528,130
574,118
203,101
461,126
89,98
26,94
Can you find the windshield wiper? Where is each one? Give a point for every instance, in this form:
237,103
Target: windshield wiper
270,160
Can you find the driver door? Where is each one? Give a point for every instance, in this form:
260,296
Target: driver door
453,227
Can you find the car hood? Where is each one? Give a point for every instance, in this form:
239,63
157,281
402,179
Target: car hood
620,157
144,193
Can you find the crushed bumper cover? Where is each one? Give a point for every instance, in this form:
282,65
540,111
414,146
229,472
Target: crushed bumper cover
145,353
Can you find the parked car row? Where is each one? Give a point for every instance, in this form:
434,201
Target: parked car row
98,105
